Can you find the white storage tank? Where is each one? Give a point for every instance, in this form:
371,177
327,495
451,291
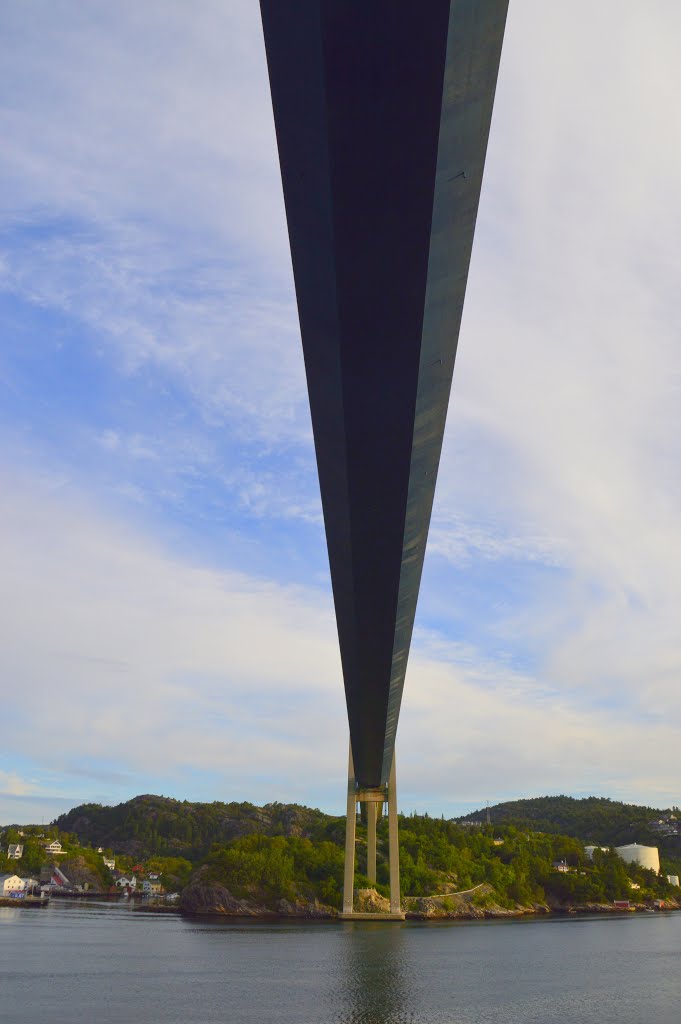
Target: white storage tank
644,856
589,850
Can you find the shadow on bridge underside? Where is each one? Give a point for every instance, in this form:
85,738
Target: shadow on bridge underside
382,112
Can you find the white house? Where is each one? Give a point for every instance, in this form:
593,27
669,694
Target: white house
53,847
110,863
11,883
151,887
126,883
15,851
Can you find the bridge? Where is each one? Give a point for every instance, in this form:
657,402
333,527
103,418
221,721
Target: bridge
382,111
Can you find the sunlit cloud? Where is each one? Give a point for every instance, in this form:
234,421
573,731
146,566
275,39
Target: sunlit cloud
162,543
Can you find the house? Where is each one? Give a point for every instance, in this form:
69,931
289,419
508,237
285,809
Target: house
15,851
126,883
151,887
10,884
53,847
110,863
560,865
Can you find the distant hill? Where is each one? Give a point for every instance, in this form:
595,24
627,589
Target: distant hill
595,819
148,825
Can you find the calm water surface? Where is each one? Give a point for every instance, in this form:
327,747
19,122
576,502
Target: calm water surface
104,963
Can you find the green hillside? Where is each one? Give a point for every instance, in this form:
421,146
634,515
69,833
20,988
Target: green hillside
156,825
594,819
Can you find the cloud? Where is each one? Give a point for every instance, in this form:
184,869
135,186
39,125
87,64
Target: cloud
143,202
143,672
154,665
12,785
563,442
153,374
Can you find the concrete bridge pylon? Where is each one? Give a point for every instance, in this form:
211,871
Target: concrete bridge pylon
373,798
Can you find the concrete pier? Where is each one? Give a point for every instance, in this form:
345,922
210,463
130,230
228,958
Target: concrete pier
372,797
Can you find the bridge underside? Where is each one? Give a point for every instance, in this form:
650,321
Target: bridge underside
382,110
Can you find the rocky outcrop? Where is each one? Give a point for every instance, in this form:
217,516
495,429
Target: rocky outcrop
211,898
368,901
203,896
308,911
80,873
609,908
477,904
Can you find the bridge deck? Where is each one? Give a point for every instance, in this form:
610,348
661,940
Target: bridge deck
382,115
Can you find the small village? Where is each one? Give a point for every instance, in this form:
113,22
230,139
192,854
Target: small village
69,870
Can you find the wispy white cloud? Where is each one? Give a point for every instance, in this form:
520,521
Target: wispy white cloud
142,200
142,206
11,784
155,669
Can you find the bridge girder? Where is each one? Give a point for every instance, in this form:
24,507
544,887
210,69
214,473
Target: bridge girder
382,111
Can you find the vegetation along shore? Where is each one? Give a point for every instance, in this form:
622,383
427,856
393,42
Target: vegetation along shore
539,856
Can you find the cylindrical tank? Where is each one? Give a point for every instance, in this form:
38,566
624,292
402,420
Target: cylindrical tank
589,850
645,856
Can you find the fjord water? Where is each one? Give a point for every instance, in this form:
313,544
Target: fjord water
77,962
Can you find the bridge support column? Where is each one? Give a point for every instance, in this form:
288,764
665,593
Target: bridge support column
350,830
372,797
393,843
372,817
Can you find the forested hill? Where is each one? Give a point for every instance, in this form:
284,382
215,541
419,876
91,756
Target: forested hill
155,825
599,820
148,825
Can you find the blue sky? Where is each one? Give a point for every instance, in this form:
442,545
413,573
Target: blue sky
168,624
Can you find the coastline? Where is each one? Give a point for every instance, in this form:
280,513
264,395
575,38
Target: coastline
215,901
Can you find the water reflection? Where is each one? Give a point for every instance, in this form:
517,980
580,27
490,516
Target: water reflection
376,984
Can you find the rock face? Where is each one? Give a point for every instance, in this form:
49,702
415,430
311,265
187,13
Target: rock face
368,901
205,897
79,872
474,905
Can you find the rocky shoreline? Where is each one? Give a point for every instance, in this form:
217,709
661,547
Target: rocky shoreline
204,899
